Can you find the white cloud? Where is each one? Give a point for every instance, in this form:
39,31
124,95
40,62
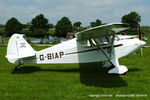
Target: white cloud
22,13
77,10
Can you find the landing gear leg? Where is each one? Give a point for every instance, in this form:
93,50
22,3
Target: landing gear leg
16,67
118,69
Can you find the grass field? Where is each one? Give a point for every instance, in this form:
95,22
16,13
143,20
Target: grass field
74,81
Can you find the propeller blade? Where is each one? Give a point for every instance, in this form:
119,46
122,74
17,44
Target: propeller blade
140,35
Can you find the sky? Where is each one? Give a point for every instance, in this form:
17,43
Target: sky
85,11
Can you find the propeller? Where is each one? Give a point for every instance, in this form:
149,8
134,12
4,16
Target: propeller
140,35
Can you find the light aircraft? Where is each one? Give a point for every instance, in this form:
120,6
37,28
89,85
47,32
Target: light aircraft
98,44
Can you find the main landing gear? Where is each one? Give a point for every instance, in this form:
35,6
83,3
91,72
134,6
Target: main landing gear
16,67
117,69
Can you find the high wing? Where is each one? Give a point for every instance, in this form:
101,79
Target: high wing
108,30
101,31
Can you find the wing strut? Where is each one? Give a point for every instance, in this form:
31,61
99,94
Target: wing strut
100,47
102,50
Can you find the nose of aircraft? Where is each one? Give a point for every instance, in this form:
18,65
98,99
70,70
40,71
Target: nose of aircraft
142,43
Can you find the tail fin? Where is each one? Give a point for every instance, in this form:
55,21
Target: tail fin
18,48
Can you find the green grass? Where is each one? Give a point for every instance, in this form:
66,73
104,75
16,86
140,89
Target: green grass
73,81
148,41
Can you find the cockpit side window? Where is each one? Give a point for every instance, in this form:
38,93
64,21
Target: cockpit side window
101,40
87,43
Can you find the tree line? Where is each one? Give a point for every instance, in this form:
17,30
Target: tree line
39,26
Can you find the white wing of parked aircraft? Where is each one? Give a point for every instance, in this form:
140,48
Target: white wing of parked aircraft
101,31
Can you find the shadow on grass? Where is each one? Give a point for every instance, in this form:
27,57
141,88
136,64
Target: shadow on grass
134,69
32,69
91,74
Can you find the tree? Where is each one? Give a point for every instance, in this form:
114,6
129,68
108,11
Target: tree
13,26
132,19
28,25
97,23
39,25
50,25
63,26
77,24
92,24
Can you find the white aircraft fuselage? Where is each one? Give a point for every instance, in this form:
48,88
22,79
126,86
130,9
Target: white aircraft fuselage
72,51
